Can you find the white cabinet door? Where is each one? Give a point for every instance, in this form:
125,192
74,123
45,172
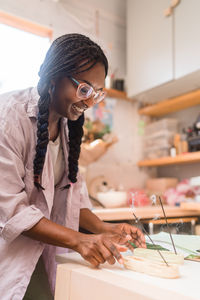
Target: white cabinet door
187,37
149,45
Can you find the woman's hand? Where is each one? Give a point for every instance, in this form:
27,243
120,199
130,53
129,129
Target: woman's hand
99,248
137,237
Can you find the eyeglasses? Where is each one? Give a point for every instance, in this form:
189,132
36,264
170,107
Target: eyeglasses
86,91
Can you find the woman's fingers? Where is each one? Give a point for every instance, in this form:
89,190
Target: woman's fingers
98,256
121,248
129,246
141,237
137,242
138,237
111,246
107,254
124,238
94,257
93,261
107,247
113,250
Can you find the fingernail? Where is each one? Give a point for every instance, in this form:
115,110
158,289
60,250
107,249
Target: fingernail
128,237
121,261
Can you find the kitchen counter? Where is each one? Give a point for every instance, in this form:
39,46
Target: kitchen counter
77,280
191,206
145,212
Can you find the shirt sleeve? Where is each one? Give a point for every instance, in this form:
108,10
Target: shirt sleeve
16,214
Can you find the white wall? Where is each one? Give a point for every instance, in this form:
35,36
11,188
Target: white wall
65,16
119,164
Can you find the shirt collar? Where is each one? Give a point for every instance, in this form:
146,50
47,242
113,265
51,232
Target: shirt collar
32,108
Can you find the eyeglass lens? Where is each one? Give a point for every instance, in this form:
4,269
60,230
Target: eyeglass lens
86,91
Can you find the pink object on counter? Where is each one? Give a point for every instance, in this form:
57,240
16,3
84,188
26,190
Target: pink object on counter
137,197
181,193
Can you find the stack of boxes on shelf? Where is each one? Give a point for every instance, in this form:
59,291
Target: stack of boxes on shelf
159,138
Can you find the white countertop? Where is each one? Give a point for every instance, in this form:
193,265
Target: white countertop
115,282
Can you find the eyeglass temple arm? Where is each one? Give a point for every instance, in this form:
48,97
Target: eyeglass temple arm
74,80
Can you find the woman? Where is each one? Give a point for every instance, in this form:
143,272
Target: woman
43,199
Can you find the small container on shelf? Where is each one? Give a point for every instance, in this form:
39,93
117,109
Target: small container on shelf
162,138
156,152
159,138
163,124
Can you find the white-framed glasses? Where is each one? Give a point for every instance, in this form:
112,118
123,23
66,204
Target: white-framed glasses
85,91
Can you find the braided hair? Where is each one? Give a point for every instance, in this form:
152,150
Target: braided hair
68,54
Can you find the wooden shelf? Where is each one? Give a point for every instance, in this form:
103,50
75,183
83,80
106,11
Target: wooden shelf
117,94
191,157
25,25
172,105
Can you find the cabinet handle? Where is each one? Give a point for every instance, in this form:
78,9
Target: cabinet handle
168,12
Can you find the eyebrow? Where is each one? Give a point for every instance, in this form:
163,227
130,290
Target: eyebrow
91,84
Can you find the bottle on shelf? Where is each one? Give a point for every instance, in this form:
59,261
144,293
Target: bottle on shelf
177,143
173,151
184,142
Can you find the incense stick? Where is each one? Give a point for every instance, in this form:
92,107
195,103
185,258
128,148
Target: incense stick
137,220
167,225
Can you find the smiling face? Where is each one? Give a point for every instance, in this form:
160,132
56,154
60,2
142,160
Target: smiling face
65,102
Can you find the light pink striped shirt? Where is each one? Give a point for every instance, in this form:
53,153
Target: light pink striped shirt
21,205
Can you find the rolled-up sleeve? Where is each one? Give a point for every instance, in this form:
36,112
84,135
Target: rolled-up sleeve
22,221
16,214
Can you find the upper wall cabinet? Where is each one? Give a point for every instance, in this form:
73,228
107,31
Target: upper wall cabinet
161,49
186,37
149,45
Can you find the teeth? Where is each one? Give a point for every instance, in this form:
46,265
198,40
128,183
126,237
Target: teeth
85,106
79,109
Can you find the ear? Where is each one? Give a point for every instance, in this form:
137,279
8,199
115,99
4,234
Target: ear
52,88
53,82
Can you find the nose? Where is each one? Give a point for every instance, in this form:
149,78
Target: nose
89,102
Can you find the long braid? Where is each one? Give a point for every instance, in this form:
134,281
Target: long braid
68,54
42,138
75,139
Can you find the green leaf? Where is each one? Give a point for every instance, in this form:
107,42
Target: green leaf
150,246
